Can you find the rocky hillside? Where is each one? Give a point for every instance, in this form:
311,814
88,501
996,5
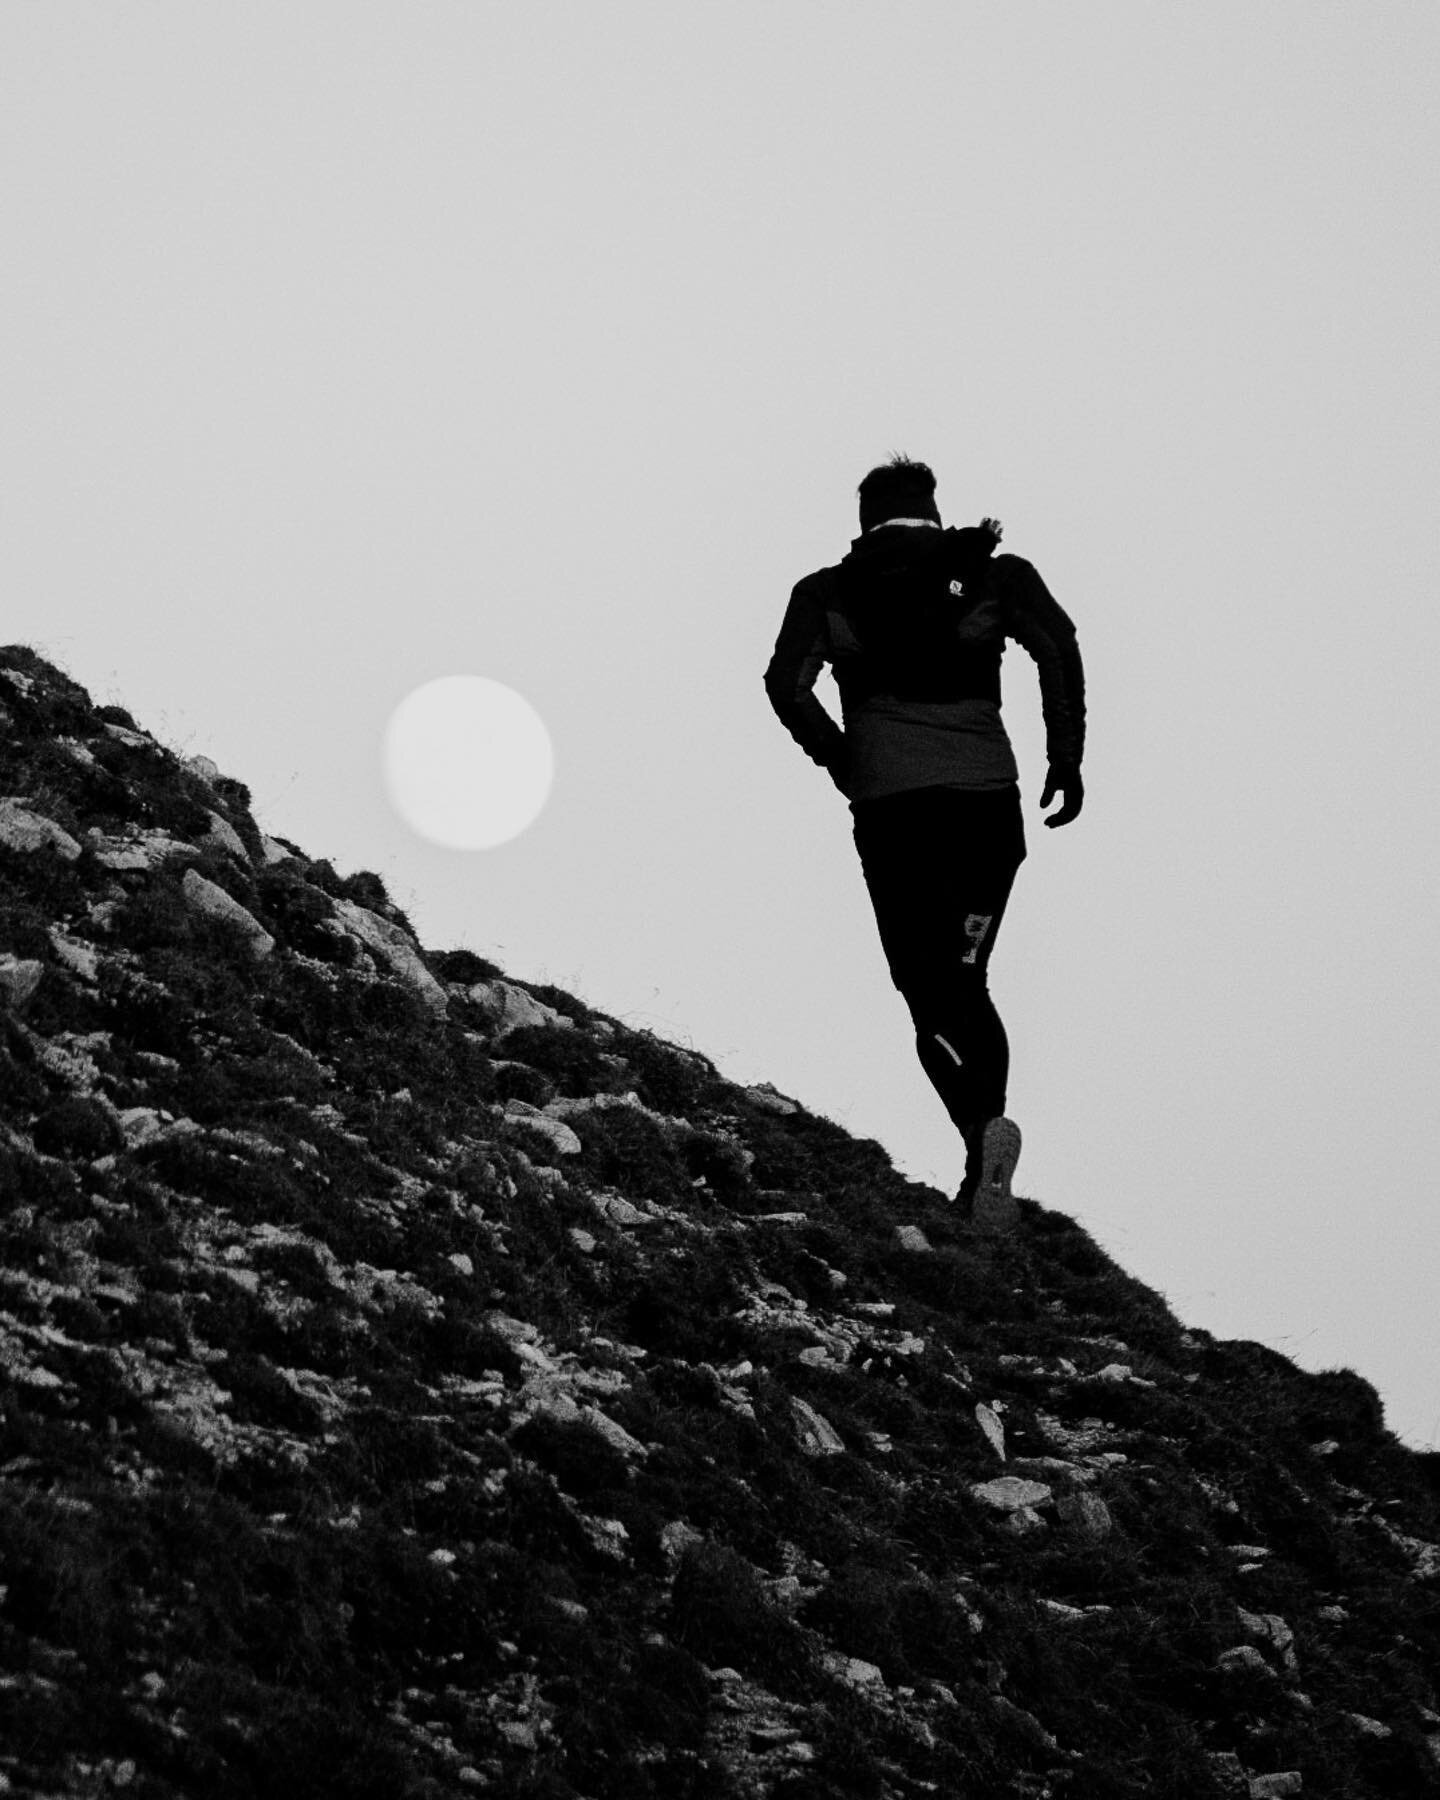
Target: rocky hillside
416,1383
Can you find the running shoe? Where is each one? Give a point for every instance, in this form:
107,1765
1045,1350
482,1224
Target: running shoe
993,1207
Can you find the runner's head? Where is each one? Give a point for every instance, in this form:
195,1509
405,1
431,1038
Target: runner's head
899,489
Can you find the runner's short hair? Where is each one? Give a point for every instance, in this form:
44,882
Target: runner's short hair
898,489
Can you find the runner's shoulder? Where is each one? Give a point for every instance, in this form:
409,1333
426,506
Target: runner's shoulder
818,586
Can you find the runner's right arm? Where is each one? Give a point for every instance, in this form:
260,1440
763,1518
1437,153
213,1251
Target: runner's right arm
801,652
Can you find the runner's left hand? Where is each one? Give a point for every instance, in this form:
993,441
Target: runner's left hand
1063,779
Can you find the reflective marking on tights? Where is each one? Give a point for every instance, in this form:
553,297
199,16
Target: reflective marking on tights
976,925
944,1046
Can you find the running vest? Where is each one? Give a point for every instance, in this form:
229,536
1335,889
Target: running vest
917,615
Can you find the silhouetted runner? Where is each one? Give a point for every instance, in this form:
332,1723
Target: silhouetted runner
914,621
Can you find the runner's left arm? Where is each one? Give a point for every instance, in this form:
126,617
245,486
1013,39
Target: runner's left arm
1040,625
801,652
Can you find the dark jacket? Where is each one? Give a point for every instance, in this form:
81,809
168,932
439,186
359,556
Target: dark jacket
914,620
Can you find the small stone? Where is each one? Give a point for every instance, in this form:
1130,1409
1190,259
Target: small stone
1087,1515
460,1262
141,1125
911,1237
582,1240
274,851
617,1208
1244,1658
989,1422
818,1437
1276,1787
202,766
853,1670
1008,1493
1270,1628
608,1536
677,1537
1369,1727
80,958
560,1136
767,1097
19,978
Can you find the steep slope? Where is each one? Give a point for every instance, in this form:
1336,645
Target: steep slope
416,1383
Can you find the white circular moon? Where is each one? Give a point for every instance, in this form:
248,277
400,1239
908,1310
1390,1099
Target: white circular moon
468,762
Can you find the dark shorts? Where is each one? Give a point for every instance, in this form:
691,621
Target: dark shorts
939,863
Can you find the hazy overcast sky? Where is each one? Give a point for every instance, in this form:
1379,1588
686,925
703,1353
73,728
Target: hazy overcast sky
345,346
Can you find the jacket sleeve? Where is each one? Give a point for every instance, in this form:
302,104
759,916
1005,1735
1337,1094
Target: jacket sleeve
800,654
1038,623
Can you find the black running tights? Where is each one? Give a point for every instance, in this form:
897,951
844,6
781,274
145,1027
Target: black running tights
940,863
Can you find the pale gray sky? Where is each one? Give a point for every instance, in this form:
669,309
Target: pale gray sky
349,346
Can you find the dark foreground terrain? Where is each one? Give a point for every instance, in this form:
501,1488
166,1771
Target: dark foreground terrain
414,1383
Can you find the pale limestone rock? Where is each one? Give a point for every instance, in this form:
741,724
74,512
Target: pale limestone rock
608,1536
677,1537
68,1057
1278,1786
460,1262
136,740
1369,1727
614,1434
1270,1628
853,1670
80,958
1008,1493
562,1139
215,903
508,1007
621,1211
133,855
911,1237
19,978
274,852
223,833
396,948
22,829
765,1095
202,766
1244,1657
818,1437
1121,1372
989,1422
1027,1722
582,1240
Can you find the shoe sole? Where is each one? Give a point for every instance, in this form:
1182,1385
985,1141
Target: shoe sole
995,1208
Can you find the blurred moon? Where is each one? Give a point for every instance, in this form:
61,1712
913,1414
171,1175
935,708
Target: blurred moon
468,762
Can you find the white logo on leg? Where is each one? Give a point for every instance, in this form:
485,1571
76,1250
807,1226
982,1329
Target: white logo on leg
976,925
